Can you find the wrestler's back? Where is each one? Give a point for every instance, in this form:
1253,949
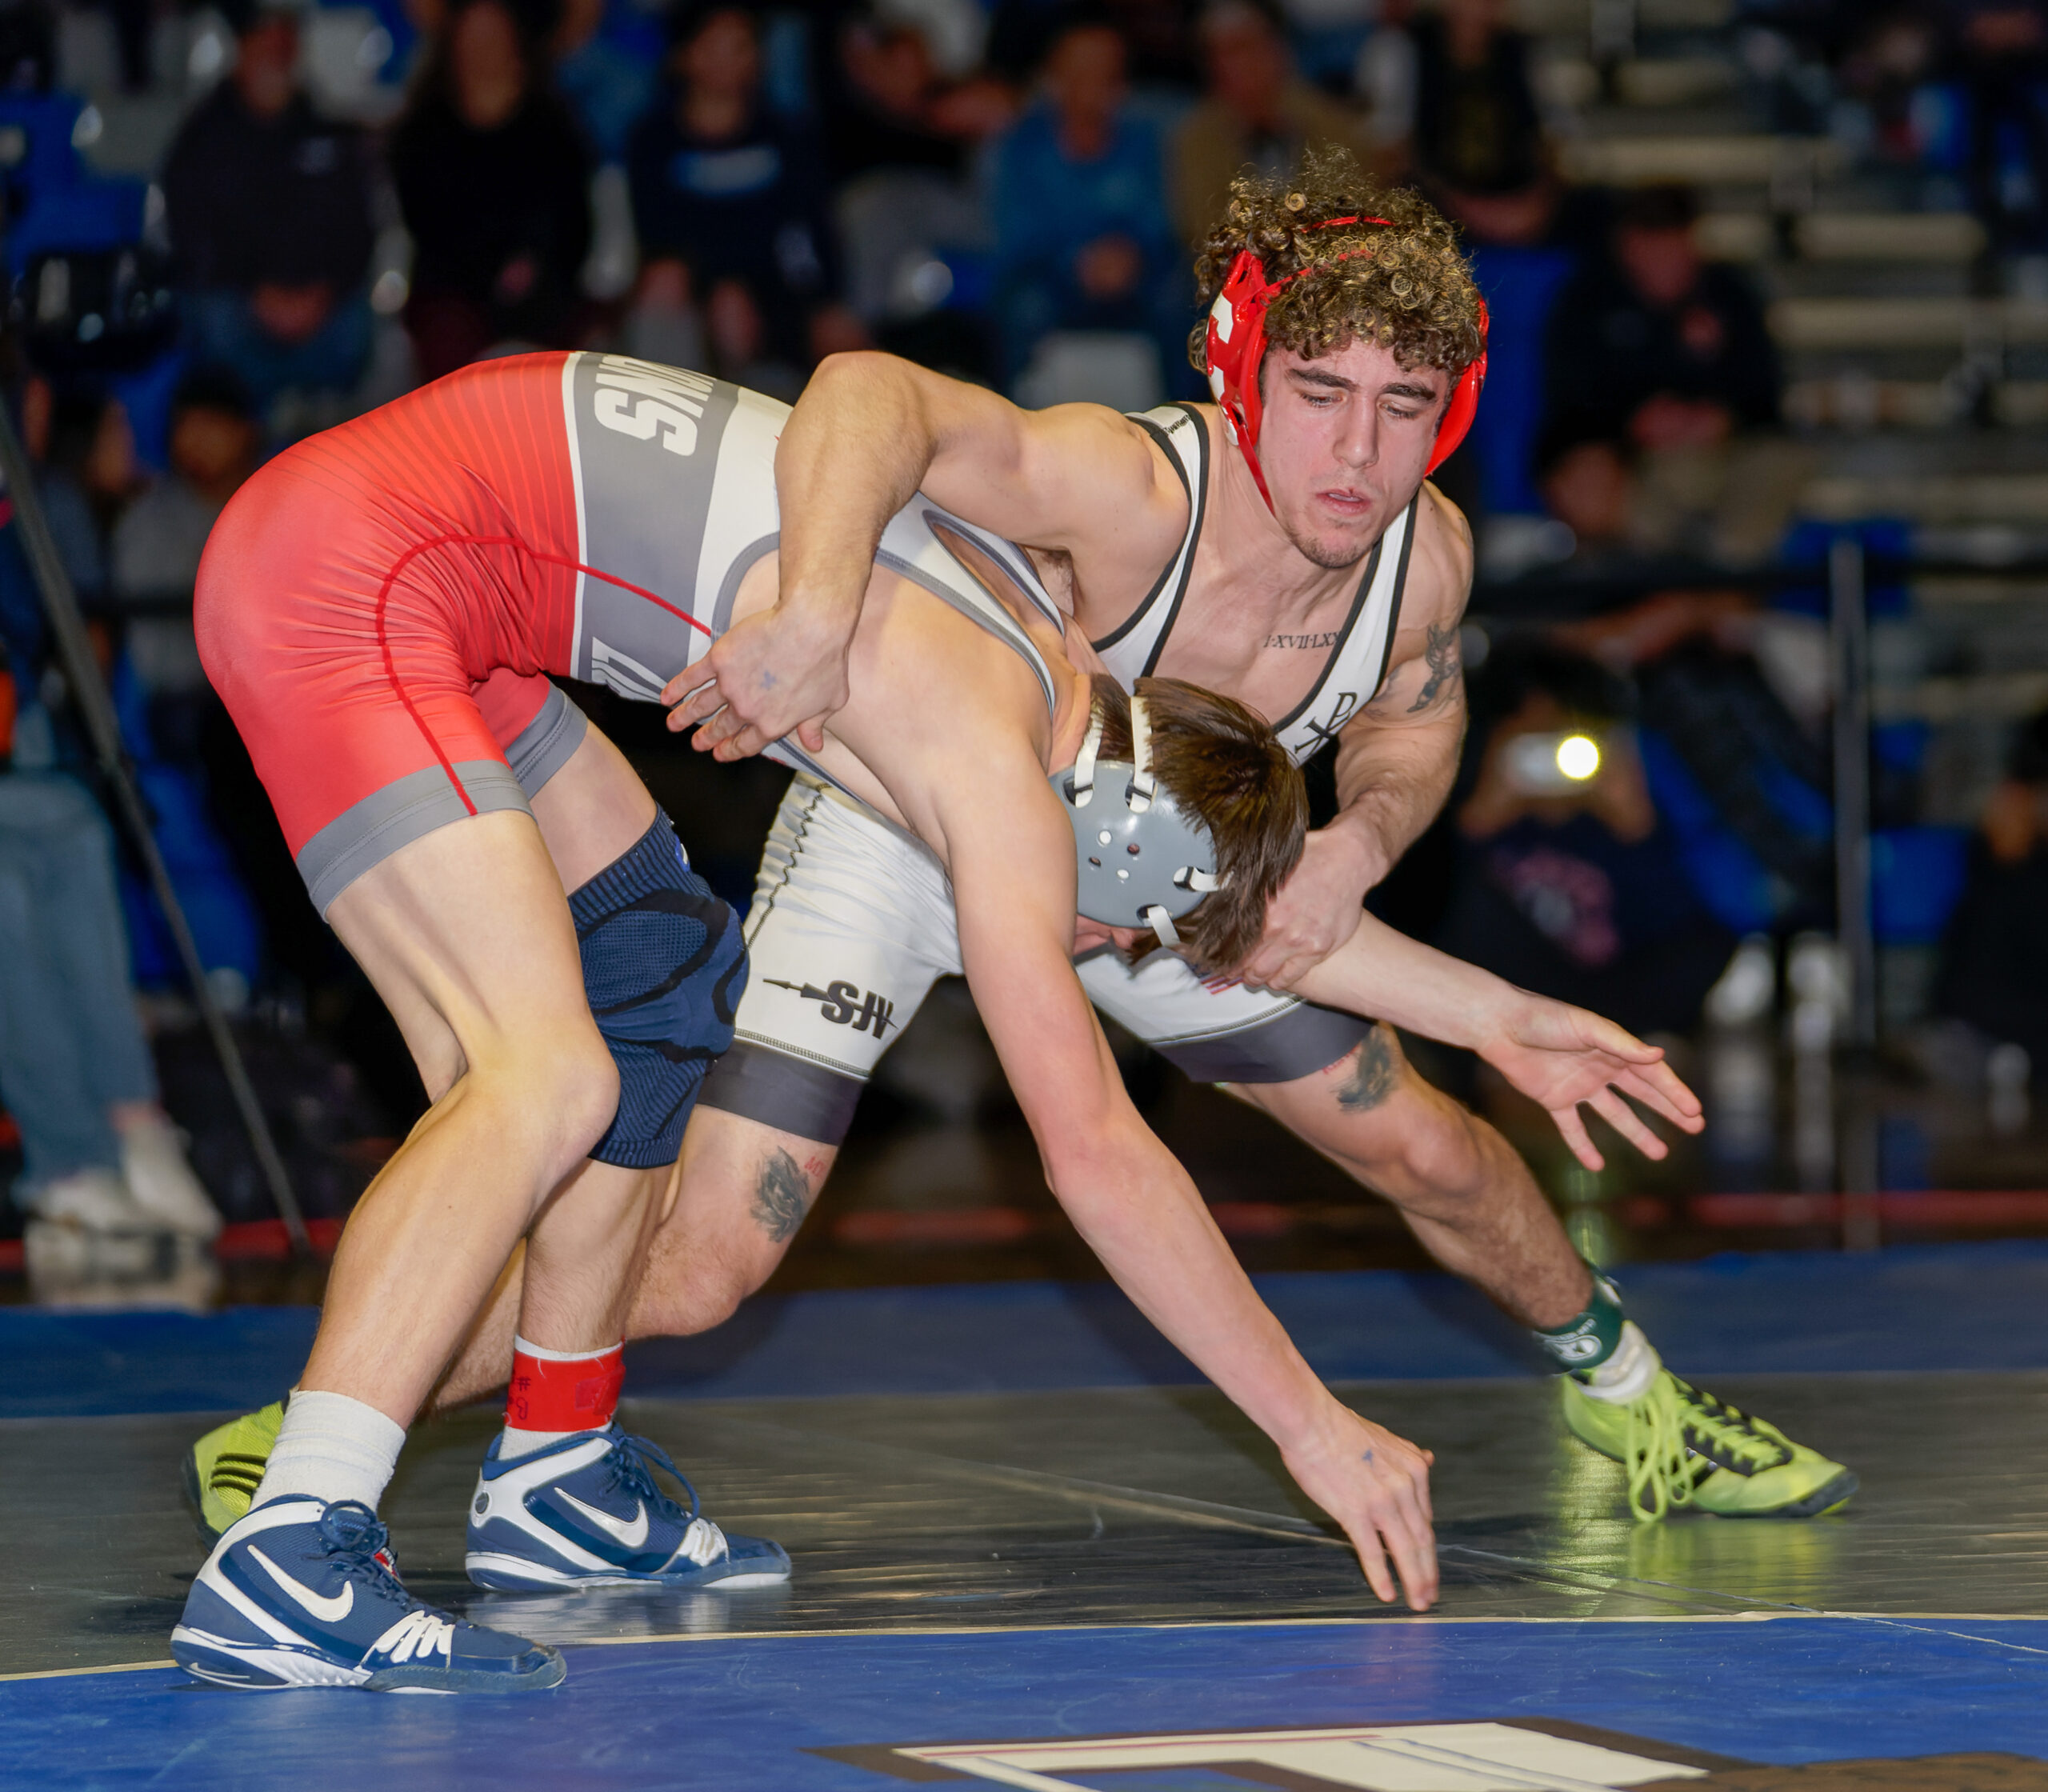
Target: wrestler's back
567,514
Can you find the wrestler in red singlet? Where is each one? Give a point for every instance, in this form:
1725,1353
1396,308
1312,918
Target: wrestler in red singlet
377,607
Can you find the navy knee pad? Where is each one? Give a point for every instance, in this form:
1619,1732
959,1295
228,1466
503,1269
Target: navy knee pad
664,967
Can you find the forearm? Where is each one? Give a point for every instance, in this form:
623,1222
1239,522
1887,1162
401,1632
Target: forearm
851,456
1384,974
1141,1214
1391,784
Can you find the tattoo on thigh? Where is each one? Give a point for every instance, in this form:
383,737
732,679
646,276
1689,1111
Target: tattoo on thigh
1372,1074
781,1197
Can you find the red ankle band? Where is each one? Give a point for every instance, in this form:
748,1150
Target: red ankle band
552,1392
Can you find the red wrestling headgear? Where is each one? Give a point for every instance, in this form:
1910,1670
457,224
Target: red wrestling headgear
1237,345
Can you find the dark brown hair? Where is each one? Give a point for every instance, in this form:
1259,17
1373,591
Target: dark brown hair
1403,284
1225,768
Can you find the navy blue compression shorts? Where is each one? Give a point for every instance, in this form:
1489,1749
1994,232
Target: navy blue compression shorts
664,965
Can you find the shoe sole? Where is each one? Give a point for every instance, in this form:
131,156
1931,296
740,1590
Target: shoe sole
1825,1498
508,1574
246,1668
222,1663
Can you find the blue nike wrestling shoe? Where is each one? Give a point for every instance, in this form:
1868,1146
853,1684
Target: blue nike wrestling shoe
587,1512
297,1593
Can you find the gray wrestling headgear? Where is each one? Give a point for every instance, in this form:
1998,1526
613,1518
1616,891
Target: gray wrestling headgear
1143,863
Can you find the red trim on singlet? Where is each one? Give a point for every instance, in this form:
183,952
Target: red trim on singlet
414,552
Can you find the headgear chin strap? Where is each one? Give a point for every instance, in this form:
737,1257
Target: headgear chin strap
1237,346
1141,862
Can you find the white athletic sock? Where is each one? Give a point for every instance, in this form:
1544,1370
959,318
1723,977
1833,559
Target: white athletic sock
513,1442
331,1447
1627,1375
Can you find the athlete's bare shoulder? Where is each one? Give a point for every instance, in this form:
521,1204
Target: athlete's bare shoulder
1423,675
1081,479
1440,565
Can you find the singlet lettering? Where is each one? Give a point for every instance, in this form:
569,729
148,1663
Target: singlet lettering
637,399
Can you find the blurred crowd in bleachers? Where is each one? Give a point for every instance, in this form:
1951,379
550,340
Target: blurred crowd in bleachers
226,226
748,188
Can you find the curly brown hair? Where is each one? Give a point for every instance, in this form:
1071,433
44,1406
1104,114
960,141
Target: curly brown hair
1403,284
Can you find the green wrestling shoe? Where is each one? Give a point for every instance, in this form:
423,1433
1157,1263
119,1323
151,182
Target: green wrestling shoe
1683,1446
223,1469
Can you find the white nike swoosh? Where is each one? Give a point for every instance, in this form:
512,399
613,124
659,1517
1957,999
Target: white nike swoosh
632,1534
328,1611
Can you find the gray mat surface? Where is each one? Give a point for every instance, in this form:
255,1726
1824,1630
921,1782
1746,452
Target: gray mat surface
1126,1506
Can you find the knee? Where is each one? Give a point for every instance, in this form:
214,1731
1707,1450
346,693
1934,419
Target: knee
559,1092
1438,1149
686,1292
586,1096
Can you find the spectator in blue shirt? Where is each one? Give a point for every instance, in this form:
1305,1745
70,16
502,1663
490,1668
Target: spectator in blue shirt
606,70
1084,235
731,205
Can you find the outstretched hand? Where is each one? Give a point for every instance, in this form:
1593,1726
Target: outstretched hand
1377,1487
778,672
1561,1057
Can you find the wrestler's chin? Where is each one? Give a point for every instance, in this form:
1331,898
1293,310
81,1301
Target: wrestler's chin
1335,535
1332,547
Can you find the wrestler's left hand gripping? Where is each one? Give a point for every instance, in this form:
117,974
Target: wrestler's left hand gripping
1316,911
781,671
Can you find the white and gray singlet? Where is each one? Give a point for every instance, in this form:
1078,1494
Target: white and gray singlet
853,920
675,498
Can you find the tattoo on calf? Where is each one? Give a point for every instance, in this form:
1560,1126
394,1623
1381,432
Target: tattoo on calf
1441,655
1372,1074
781,1197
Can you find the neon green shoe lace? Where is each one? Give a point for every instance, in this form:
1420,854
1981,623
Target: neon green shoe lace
1678,1434
1659,1477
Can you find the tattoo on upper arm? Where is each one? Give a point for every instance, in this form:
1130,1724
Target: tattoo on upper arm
1446,667
1374,1074
781,1196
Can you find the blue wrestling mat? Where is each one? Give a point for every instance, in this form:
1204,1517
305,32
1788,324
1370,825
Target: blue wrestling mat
1028,1552
1541,1705
1939,1306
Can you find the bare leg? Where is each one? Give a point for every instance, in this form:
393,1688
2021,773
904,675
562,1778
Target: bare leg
734,1204
574,1296
593,811
1464,1191
465,936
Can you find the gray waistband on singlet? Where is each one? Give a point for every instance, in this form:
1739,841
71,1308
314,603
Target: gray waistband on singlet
1285,1047
405,810
775,1088
547,743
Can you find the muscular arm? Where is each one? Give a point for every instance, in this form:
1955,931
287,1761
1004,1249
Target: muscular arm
1557,1055
870,431
1011,857
1395,760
